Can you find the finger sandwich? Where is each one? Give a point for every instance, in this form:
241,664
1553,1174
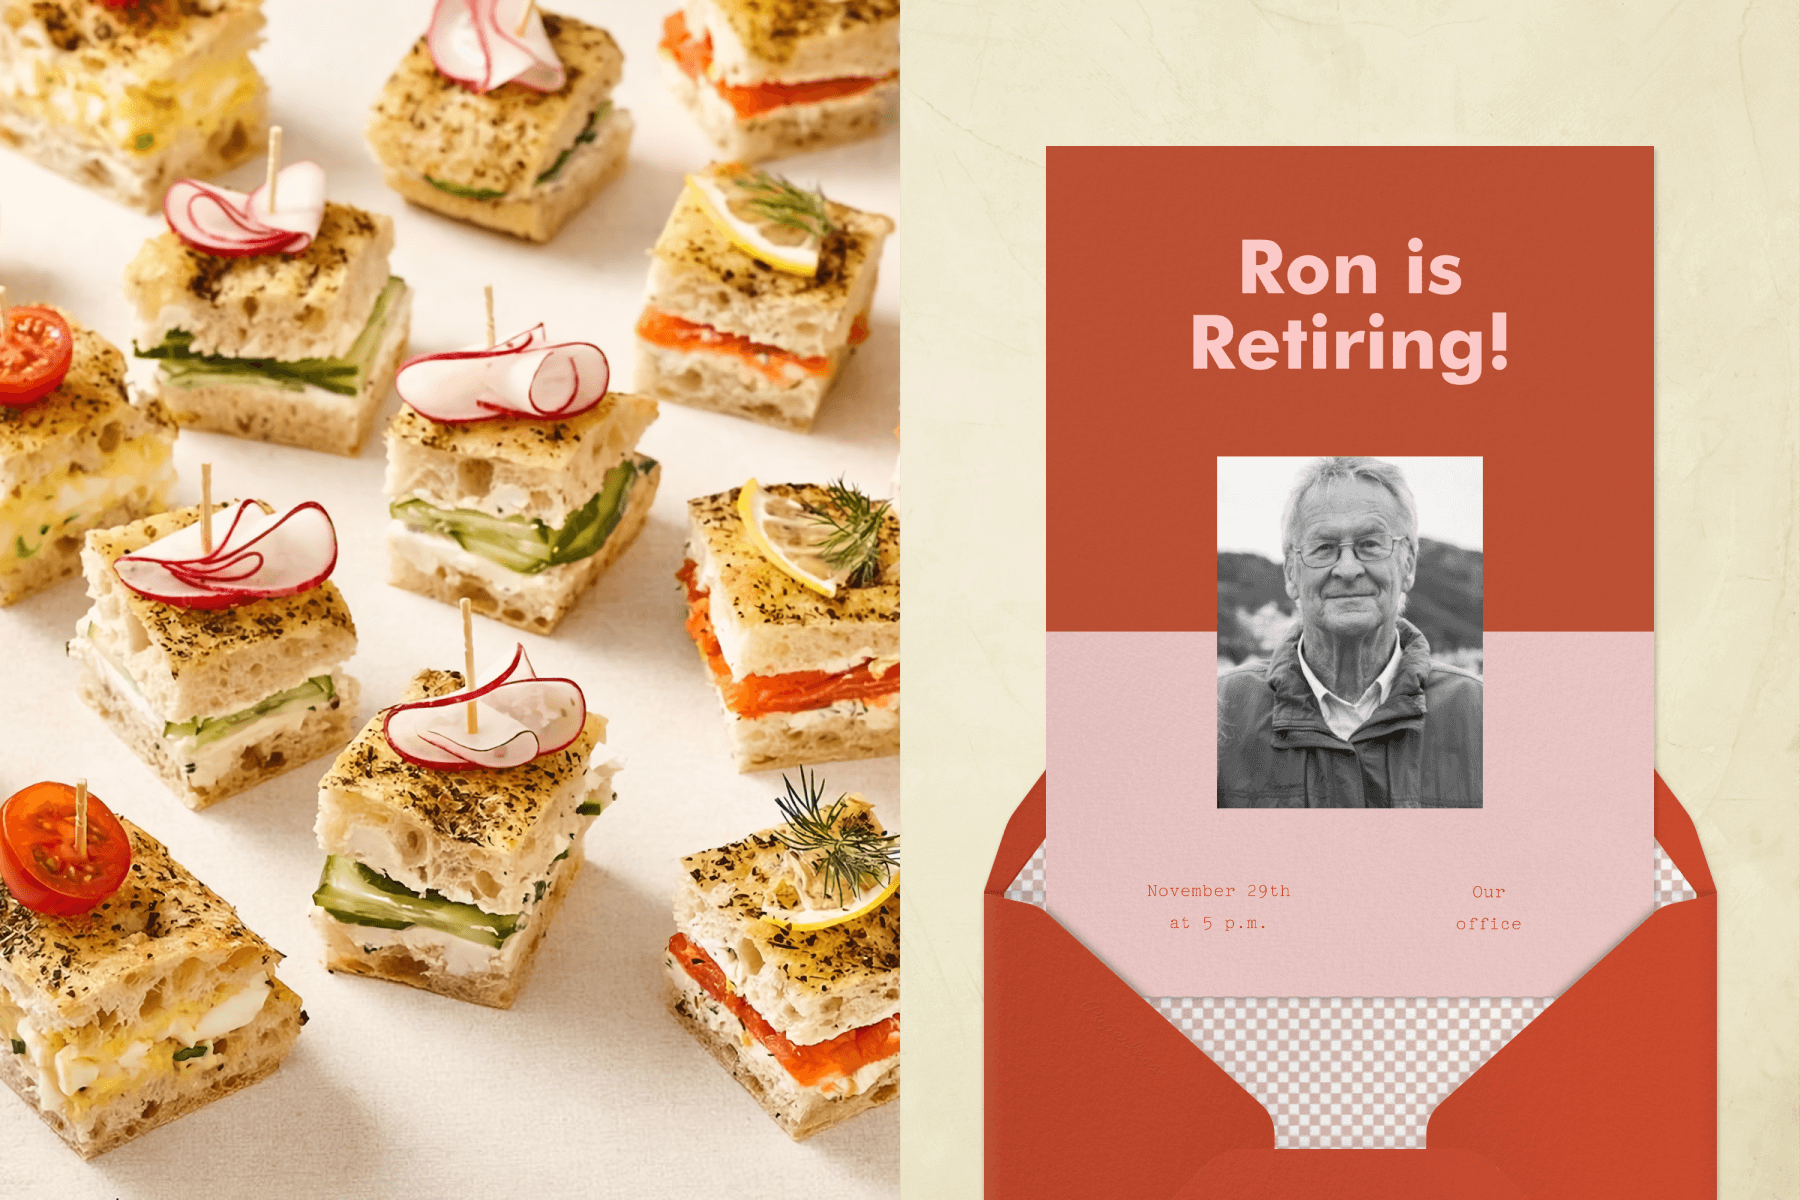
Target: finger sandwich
447,880
513,159
767,79
802,677
126,100
297,349
808,1021
90,455
518,516
726,330
215,701
151,1006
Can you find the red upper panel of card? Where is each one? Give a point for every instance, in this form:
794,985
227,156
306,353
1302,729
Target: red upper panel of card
1143,241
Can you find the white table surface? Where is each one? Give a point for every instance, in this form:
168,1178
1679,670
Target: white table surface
586,1086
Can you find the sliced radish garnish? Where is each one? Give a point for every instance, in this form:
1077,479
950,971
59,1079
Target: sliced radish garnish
524,376
476,43
260,555
519,717
233,224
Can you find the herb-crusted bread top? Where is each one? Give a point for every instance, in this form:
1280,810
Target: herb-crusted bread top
697,274
788,41
72,971
541,469
282,306
429,125
495,810
79,425
767,623
811,986
192,662
151,41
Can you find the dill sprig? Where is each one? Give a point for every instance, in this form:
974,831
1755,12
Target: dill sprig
854,543
785,203
847,857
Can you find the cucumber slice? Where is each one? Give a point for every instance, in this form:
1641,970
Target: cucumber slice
207,730
588,133
183,368
356,895
463,190
525,544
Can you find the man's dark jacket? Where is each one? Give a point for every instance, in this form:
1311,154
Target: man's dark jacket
1419,749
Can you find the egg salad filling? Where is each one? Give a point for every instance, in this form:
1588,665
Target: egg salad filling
55,506
76,1068
210,747
117,111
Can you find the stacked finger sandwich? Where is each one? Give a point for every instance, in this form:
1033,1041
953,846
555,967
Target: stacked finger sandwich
127,98
445,866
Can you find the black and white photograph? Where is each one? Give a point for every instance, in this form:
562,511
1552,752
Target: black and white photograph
1350,655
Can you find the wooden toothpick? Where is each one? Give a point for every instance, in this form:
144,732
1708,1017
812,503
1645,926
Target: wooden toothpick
525,18
2,312
469,659
81,819
488,292
206,545
274,163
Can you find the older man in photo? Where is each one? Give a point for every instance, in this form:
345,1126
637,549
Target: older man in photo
1350,711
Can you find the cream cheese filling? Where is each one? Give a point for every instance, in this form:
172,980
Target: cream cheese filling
721,1021
204,765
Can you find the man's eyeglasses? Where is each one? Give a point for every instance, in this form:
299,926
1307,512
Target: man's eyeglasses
1371,547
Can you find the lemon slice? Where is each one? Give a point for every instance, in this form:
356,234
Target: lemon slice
789,536
743,202
807,920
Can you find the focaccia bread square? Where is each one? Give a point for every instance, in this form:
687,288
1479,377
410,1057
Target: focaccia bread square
768,623
164,962
208,662
791,41
128,100
697,274
308,305
811,986
86,456
498,142
474,837
540,469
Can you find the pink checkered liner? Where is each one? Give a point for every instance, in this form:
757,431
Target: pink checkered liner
1350,1073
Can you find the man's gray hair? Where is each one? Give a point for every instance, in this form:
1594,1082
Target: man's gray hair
1322,472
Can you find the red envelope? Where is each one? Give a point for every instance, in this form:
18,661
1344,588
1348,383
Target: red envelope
1611,1091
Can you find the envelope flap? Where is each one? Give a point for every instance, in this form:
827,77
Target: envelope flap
1137,1107
1024,834
1610,1092
1675,833
1349,1175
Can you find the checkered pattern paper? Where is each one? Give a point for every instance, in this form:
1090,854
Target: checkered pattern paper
1350,1073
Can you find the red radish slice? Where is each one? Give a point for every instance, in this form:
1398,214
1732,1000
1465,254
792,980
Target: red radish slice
520,717
474,43
524,376
234,225
260,555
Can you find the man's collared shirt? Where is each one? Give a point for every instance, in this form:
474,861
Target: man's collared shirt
1344,717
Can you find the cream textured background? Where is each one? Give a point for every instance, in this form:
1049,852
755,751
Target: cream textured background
1712,86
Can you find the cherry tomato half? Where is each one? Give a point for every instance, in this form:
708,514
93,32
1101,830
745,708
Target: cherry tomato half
37,851
35,351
